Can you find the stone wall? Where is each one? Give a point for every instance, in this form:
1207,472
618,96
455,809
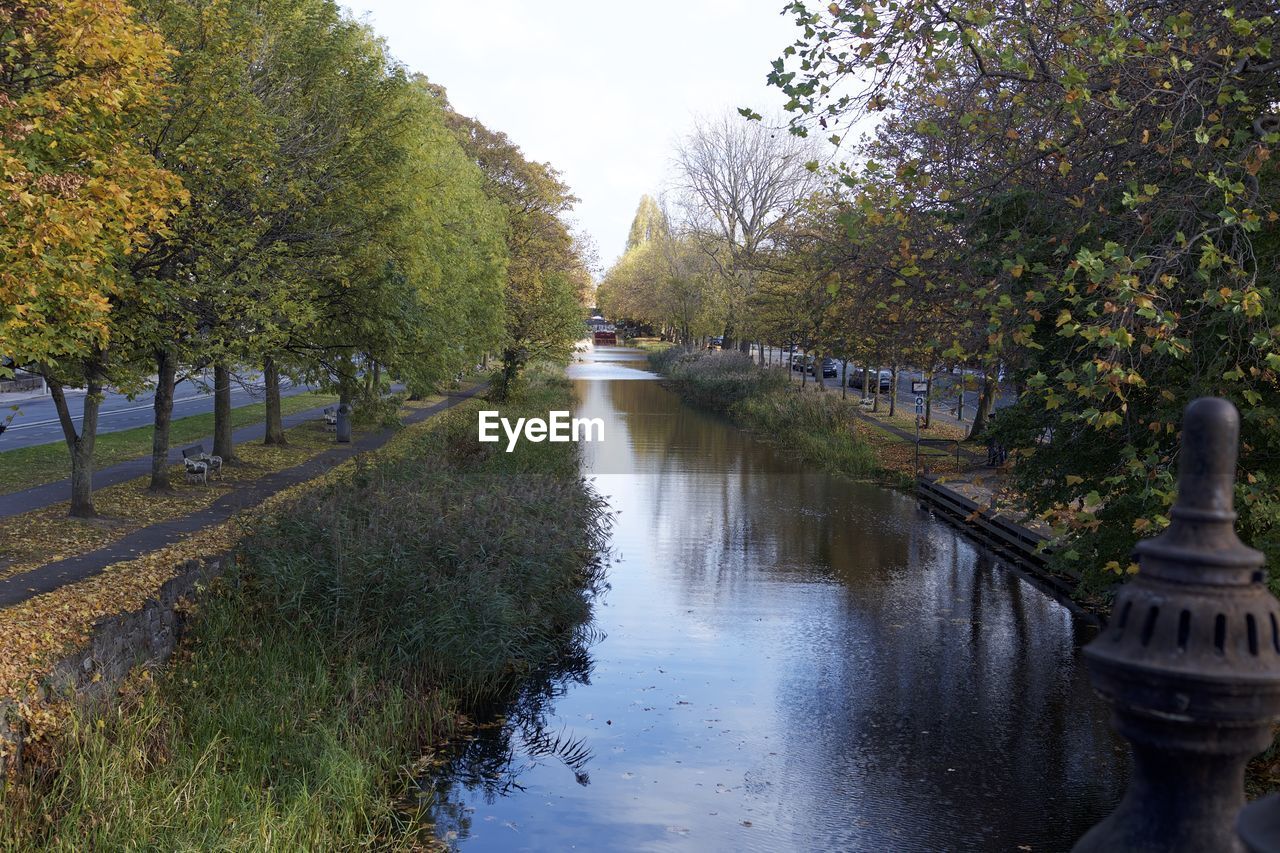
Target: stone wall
118,644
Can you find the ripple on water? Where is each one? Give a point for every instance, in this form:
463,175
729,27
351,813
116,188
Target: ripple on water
785,660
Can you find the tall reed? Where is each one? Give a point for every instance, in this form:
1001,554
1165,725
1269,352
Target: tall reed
818,428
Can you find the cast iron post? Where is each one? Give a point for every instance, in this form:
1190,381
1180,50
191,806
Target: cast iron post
1190,660
342,431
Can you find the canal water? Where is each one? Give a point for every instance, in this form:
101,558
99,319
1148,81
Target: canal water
785,660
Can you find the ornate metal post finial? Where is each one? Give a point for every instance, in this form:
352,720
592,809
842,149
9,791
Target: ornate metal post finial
1190,660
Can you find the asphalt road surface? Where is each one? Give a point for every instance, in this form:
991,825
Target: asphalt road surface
33,420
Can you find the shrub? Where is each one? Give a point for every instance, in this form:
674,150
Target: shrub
716,379
382,412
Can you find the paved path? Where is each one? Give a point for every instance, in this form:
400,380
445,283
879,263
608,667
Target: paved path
925,440
53,575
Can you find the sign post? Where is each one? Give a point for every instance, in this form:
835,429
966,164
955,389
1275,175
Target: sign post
920,388
919,415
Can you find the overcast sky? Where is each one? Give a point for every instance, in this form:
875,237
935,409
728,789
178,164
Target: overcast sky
600,89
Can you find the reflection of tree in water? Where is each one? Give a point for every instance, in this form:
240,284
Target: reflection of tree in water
512,738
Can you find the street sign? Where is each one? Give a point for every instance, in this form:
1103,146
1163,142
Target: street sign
919,386
919,405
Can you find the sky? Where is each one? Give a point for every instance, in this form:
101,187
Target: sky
601,90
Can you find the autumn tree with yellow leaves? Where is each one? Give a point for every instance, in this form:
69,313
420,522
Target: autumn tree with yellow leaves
77,194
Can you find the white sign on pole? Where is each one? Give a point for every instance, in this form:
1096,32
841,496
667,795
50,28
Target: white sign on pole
919,386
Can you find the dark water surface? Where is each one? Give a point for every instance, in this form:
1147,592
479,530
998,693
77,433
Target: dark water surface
786,661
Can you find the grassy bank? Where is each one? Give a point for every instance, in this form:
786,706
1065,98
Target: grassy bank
819,428
650,344
46,463
360,620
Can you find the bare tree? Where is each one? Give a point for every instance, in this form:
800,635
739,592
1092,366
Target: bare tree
738,182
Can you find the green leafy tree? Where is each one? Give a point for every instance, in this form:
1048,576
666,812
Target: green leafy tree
547,278
1098,187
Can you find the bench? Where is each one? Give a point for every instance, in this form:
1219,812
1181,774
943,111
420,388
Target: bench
199,464
331,418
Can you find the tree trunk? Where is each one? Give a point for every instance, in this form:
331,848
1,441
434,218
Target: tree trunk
982,416
844,379
166,368
866,378
893,392
510,368
222,443
377,378
875,402
275,424
80,444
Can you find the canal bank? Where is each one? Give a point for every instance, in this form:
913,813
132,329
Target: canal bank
832,432
359,620
785,659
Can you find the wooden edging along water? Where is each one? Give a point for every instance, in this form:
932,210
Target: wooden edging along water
1022,547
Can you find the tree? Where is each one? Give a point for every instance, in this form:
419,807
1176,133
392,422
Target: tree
77,194
213,132
664,278
740,181
546,275
382,225
1098,185
649,223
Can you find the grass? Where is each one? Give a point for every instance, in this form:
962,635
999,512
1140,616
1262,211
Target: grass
25,467
44,535
819,428
650,344
360,619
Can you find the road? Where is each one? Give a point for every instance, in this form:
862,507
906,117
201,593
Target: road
33,420
946,389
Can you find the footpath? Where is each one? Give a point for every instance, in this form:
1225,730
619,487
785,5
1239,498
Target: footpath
48,494
21,587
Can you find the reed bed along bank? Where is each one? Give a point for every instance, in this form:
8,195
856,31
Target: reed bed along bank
818,428
357,624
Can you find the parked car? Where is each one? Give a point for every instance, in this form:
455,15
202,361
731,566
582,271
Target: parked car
829,368
716,343
886,379
798,361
